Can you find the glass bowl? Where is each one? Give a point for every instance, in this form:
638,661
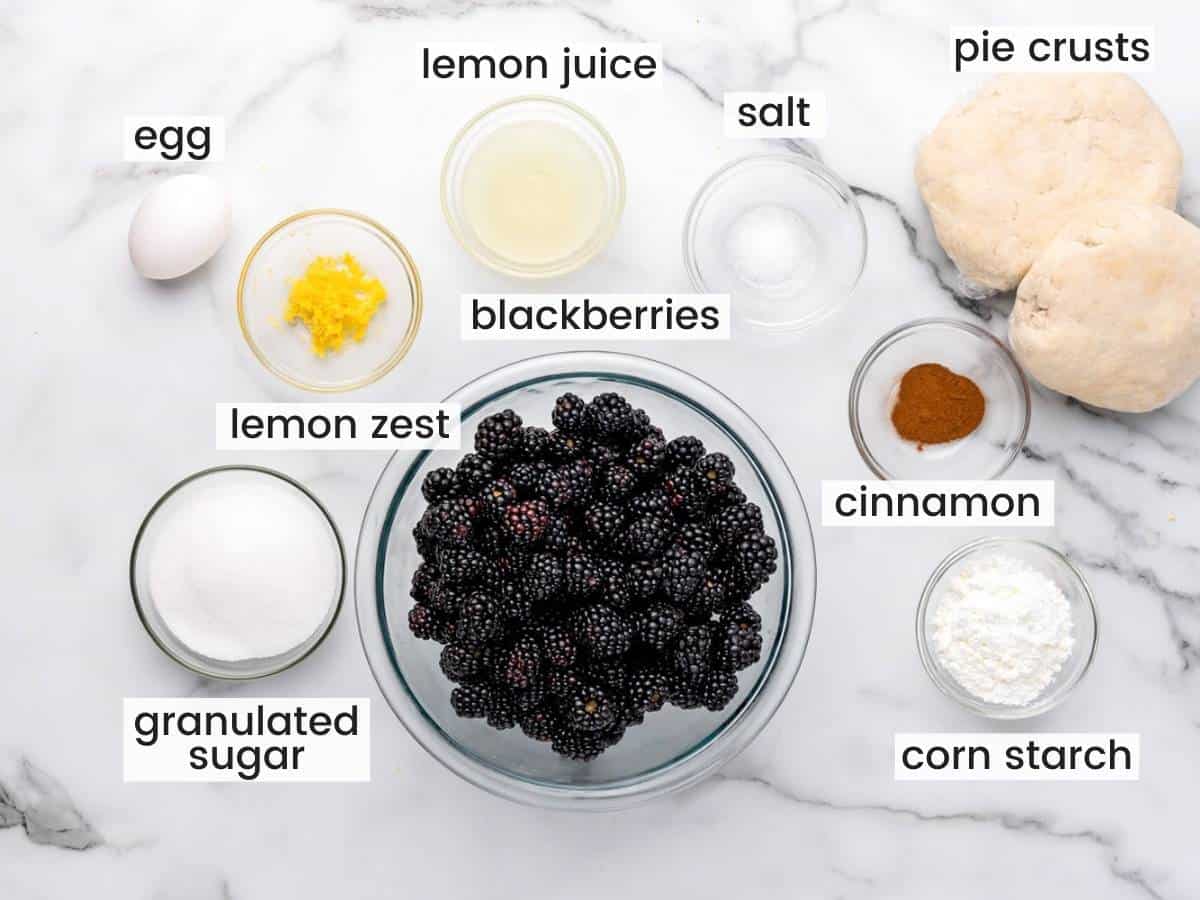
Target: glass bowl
1054,566
221,477
674,748
282,254
521,110
965,349
782,235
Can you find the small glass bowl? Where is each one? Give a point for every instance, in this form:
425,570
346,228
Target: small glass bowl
160,632
675,747
966,350
824,216
283,254
530,109
1054,566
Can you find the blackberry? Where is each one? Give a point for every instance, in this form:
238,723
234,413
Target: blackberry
564,447
439,484
540,724
459,662
515,604
734,522
561,682
640,426
479,618
473,472
530,698
615,484
568,414
684,451
692,651
471,701
685,692
577,745
614,591
732,496
558,646
754,560
607,417
603,522
685,494
446,524
499,435
696,537
715,473
524,476
498,496
683,571
657,626
738,638
647,690
566,486
522,663
589,708
526,521
602,455
501,712
653,502
646,537
422,621
423,581
557,537
608,674
710,595
643,578
646,457
460,565
717,689
543,577
535,442
602,631
509,562
583,576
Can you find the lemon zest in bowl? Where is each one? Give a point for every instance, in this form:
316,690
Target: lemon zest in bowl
335,299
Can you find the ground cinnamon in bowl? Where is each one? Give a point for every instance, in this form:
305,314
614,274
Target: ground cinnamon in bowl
935,405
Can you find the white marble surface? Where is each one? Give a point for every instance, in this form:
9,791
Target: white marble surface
111,382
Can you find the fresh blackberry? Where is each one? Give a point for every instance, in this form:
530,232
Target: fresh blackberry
614,590
515,604
564,447
580,746
683,571
557,537
460,662
473,472
499,435
498,496
715,472
710,595
646,537
445,629
646,457
479,618
602,631
602,455
535,442
582,576
524,476
439,484
691,655
603,523
560,683
696,537
640,426
558,646
543,577
423,581
686,496
501,712
732,496
568,414
615,484
717,689
446,524
566,486
540,724
524,522
530,698
685,692
643,578
607,673
647,690
684,451
754,560
471,701
422,621
738,638
653,502
446,598
607,417
460,565
657,626
589,708
509,563
734,522
522,663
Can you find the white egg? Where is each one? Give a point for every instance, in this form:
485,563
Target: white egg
179,226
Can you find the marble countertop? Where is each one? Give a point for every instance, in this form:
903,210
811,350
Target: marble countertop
112,382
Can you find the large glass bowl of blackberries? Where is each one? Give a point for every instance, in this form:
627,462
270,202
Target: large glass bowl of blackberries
603,597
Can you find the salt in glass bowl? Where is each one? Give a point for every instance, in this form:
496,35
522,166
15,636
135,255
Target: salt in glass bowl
1057,568
674,748
965,349
143,596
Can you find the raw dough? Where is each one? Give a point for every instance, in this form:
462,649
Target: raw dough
1003,173
1110,312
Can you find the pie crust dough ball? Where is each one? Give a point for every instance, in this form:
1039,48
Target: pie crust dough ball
1110,312
1004,172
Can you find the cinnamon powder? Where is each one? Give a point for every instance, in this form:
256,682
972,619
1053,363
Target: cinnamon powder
935,405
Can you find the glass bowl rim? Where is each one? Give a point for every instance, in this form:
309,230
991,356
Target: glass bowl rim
398,250
1041,704
816,169
798,607
557,267
897,334
137,598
